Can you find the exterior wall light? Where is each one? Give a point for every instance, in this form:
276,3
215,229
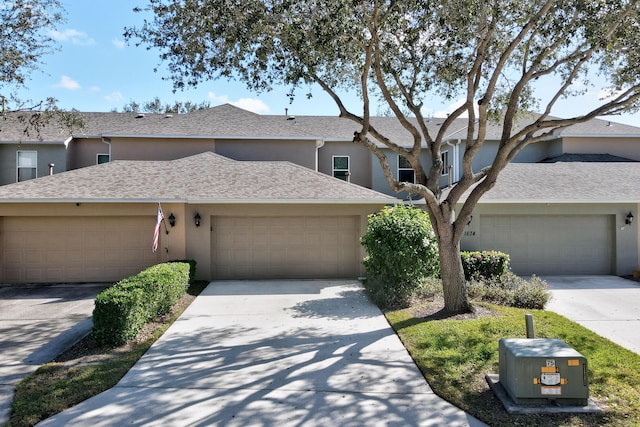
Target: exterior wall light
629,219
197,219
172,220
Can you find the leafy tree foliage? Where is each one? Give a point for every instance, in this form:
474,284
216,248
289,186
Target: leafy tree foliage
25,37
156,106
489,52
401,251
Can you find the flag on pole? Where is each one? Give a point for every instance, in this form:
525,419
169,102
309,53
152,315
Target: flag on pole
156,232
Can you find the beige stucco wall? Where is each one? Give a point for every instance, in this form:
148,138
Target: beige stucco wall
158,148
359,160
82,152
300,152
623,147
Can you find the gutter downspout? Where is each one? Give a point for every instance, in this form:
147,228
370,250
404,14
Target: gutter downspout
319,145
108,142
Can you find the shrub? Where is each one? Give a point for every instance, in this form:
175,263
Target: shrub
122,310
487,264
401,250
510,290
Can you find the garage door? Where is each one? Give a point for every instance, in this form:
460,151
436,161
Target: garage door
82,249
285,247
537,244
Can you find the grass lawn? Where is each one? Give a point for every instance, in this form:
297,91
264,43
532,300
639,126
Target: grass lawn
455,354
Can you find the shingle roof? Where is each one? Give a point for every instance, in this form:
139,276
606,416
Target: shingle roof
233,122
203,178
567,182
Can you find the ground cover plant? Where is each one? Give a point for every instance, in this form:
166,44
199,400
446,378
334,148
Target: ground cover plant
454,352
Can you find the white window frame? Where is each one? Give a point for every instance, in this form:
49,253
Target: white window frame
406,169
18,167
444,156
347,170
102,154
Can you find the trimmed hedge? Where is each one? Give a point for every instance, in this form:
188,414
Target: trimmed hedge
123,309
487,264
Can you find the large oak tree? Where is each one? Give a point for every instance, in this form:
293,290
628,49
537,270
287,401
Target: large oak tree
403,52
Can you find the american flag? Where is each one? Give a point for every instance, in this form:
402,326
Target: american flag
156,232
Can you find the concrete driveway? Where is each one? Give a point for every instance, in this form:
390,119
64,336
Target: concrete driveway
273,353
37,322
608,305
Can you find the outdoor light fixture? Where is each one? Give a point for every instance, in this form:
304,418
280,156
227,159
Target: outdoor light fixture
172,220
629,219
197,219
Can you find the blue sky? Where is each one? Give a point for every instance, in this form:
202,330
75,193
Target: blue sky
95,70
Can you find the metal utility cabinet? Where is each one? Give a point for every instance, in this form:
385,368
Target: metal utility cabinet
542,371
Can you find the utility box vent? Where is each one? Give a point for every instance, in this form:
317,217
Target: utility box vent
542,371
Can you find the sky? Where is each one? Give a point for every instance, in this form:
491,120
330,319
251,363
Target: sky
95,69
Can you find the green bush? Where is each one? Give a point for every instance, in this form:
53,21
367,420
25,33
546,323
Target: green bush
123,309
401,251
487,264
510,290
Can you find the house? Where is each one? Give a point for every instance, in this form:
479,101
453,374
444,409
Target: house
237,219
324,144
562,218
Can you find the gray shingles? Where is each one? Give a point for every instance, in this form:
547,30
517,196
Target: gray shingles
203,178
567,182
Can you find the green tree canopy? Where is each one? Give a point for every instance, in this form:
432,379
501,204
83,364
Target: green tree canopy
403,53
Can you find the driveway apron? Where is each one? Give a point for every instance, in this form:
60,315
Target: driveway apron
608,305
273,353
38,322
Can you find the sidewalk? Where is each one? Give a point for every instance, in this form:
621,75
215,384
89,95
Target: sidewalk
273,353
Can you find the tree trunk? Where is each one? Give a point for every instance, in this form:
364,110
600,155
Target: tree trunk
453,282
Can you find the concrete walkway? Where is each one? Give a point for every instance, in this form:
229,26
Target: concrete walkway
607,305
273,353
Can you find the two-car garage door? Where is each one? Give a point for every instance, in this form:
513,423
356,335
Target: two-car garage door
552,244
74,249
285,247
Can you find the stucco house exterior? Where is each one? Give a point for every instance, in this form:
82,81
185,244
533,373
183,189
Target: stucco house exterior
256,220
324,144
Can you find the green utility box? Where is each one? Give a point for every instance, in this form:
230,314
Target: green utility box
541,371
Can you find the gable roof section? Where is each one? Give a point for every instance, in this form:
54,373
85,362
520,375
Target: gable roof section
566,182
203,178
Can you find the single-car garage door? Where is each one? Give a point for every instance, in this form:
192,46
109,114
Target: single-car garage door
75,249
285,247
552,244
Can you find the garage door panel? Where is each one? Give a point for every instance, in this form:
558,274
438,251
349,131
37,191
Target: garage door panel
75,249
552,244
284,247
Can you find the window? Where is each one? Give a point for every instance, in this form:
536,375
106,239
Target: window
405,171
103,158
341,168
27,165
444,156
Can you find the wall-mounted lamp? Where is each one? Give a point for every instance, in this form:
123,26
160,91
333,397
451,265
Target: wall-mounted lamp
629,219
172,220
197,219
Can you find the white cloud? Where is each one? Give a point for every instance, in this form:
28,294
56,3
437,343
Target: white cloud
68,83
119,44
94,89
608,94
74,36
250,104
114,97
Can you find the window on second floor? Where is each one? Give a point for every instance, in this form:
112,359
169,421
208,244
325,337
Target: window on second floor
444,156
341,168
27,165
103,158
405,171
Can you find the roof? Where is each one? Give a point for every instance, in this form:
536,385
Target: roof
203,178
568,157
566,182
227,121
